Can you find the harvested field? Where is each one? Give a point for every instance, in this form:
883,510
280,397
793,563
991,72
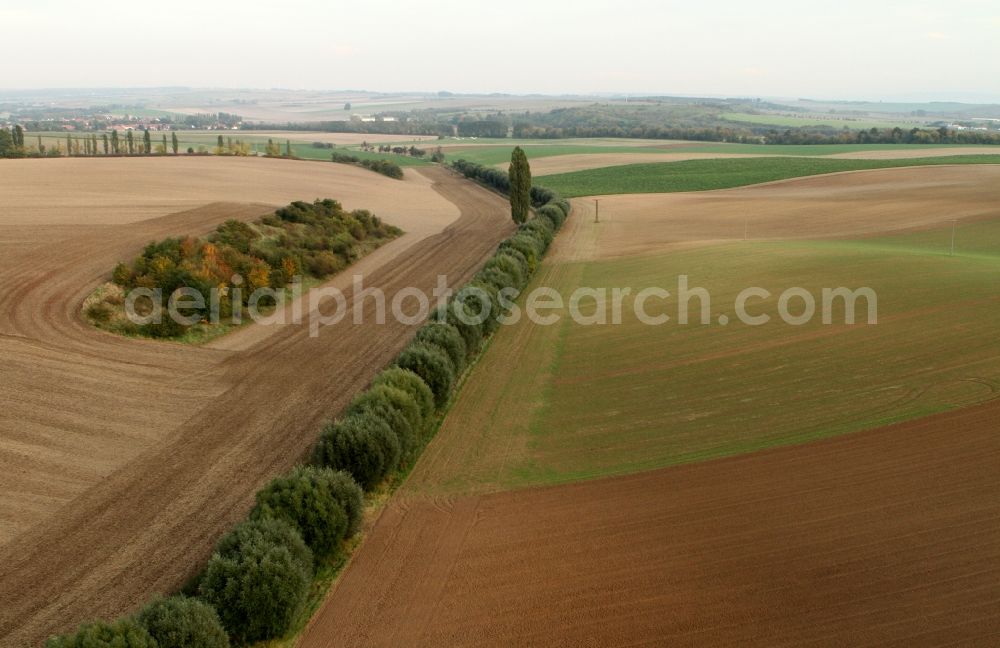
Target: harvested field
882,538
114,191
124,460
839,205
903,154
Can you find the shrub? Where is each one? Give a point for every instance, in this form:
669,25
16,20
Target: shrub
124,633
364,446
100,312
270,531
413,385
526,247
399,398
257,586
432,365
472,334
495,278
541,229
511,265
397,409
563,205
553,215
183,622
317,502
541,195
478,299
447,338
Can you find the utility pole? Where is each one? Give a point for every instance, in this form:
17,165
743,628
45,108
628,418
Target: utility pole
954,224
597,211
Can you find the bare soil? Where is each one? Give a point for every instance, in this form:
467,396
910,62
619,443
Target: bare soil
115,191
883,538
855,203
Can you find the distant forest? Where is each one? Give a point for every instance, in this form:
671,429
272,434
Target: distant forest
697,120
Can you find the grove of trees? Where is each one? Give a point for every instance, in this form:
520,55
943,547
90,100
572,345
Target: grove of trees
302,239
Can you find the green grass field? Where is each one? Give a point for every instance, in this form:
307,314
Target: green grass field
570,401
490,155
830,121
704,175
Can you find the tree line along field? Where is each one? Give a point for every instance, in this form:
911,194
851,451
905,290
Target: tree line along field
300,143
705,175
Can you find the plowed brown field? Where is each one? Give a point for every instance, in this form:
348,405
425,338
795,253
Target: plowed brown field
887,537
123,460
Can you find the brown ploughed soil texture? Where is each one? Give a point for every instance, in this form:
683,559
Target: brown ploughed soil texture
124,460
886,537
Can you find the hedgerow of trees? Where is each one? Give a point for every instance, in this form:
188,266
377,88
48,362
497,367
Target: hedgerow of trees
259,576
385,167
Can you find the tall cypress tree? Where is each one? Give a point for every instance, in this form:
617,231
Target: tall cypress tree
130,141
520,185
6,142
146,142
173,142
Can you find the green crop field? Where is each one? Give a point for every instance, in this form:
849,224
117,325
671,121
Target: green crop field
490,155
571,401
704,175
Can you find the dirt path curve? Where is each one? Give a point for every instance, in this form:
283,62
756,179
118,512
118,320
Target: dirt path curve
238,418
885,537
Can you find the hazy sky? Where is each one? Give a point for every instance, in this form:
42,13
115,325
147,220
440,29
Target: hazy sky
866,49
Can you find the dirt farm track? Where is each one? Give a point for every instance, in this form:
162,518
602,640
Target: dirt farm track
124,460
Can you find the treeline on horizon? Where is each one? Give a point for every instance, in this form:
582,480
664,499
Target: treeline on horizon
684,121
